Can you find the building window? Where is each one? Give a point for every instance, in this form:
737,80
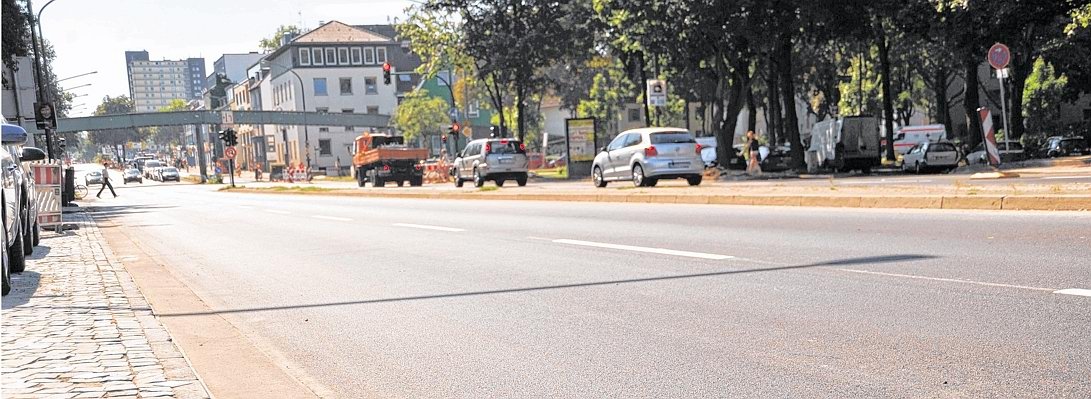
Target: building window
347,110
304,56
320,86
372,109
634,115
323,130
443,78
380,55
369,86
272,146
331,56
369,56
357,59
316,56
324,147
346,86
342,56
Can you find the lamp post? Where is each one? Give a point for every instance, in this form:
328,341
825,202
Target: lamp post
74,76
303,100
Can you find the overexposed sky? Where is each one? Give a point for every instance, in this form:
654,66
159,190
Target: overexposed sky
93,35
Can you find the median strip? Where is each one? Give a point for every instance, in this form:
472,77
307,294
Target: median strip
651,250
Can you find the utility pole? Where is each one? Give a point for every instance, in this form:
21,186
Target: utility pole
39,52
201,163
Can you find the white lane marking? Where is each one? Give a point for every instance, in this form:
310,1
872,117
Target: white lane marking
1074,291
332,218
947,280
279,212
1065,177
539,238
883,181
427,227
645,249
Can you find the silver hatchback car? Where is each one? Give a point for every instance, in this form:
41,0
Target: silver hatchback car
647,155
498,160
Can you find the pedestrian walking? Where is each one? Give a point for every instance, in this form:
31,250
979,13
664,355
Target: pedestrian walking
257,173
753,165
106,181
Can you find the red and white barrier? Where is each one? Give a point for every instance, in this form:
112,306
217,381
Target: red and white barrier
48,178
992,151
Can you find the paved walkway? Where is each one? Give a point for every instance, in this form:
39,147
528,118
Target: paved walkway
75,326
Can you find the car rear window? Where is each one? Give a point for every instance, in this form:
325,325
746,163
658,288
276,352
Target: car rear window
944,147
672,138
506,147
170,170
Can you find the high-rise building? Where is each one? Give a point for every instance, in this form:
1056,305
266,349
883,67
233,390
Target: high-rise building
233,66
154,84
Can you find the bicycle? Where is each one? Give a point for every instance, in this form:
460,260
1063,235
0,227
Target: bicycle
80,192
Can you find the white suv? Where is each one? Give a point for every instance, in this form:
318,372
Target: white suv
498,160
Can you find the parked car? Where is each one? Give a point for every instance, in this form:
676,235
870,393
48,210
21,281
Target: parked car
498,160
93,177
648,155
777,159
149,168
1009,152
20,212
1058,146
168,173
132,174
940,155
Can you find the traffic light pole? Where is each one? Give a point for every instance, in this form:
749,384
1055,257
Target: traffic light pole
231,170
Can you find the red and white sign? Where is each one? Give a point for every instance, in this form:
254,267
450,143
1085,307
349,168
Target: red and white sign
48,178
999,56
230,152
991,150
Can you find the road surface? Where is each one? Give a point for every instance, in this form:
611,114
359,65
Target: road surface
430,298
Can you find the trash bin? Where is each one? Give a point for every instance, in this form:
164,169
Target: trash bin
69,187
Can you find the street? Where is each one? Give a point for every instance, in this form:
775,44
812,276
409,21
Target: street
432,298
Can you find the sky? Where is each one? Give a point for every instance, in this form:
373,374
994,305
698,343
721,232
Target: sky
93,35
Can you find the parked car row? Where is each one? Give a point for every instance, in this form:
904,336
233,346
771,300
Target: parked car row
18,203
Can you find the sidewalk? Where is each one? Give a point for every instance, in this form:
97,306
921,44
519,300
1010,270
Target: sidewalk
76,326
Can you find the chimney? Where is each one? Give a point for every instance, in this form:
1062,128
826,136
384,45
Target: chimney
287,38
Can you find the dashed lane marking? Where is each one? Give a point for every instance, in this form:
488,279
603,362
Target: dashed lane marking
335,218
634,248
427,227
1074,291
948,280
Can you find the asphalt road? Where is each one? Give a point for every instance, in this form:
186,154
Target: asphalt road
431,298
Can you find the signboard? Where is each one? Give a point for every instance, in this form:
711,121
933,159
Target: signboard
999,56
227,118
230,152
991,151
580,135
45,116
657,93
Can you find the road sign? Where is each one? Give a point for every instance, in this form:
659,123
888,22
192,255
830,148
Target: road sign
230,152
227,118
657,93
999,56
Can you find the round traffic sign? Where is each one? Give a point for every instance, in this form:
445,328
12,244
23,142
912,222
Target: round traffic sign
999,56
230,152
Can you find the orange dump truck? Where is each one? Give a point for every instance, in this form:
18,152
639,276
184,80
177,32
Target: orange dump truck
383,158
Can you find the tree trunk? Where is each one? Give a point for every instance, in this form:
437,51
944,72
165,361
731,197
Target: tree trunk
644,89
972,102
888,96
520,110
1019,71
773,118
728,106
787,93
939,87
751,109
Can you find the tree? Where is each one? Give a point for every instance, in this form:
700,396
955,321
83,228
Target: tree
420,114
16,33
1042,97
272,43
609,91
115,137
169,135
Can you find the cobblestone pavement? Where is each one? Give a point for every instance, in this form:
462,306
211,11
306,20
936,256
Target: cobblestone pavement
76,326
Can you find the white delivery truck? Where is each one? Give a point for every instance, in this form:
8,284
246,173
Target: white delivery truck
845,144
908,136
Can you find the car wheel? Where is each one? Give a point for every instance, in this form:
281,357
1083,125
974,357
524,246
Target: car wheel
401,183
28,240
500,182
521,180
694,180
17,260
478,180
416,181
650,181
638,176
378,182
6,280
596,176
37,234
459,181
917,168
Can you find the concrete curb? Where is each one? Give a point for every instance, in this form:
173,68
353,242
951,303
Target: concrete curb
985,202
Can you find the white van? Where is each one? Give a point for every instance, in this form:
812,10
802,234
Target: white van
907,137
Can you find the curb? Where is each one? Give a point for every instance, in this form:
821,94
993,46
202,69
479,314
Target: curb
986,202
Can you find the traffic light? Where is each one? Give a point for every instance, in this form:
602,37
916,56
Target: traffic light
444,137
386,73
223,136
232,138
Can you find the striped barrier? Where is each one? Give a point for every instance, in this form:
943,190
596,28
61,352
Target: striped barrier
48,179
437,172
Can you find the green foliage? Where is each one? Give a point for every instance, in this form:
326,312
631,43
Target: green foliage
420,114
272,43
114,137
610,91
1042,98
16,32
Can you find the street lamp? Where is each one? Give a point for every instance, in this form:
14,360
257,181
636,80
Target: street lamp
74,88
75,76
303,100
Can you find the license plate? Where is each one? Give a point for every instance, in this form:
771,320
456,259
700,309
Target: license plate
679,164
506,160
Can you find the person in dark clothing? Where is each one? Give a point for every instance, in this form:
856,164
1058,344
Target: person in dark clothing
106,182
753,165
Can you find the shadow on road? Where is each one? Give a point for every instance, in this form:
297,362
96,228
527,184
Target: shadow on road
40,251
841,262
23,286
113,211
